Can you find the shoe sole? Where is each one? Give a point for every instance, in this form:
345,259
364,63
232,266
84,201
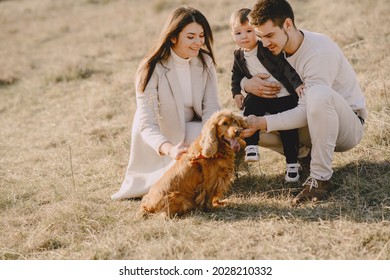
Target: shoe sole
251,159
291,180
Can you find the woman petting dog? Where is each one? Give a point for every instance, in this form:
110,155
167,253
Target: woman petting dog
203,175
176,93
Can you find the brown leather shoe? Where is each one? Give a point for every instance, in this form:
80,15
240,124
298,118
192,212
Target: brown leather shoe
313,190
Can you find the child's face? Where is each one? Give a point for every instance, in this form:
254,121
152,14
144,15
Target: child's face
244,35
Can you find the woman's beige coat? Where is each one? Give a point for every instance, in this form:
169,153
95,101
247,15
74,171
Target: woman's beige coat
159,117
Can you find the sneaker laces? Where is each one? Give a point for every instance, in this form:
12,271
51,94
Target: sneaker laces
312,182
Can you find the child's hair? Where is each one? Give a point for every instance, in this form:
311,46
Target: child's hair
240,15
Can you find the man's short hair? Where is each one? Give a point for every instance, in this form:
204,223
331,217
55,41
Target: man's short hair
275,10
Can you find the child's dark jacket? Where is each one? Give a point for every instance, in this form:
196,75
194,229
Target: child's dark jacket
277,66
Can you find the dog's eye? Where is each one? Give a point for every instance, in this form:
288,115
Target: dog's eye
225,123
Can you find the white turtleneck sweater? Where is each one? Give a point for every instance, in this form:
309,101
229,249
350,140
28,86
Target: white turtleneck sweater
255,67
182,68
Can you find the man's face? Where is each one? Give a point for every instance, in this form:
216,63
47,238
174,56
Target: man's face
273,37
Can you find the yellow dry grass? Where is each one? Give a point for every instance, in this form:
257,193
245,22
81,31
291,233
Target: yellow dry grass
66,106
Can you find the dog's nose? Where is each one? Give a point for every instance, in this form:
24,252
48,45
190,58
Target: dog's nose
238,132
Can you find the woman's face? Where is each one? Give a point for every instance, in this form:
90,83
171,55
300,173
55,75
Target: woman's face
189,41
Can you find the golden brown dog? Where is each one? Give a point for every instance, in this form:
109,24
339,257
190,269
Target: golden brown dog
201,177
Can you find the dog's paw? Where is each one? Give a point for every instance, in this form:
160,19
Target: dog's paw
140,214
219,203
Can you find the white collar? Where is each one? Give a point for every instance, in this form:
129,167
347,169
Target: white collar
252,52
179,60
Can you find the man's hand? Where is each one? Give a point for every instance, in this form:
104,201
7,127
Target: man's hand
258,86
300,90
254,124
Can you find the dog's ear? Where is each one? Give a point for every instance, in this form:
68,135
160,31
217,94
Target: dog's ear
242,122
209,141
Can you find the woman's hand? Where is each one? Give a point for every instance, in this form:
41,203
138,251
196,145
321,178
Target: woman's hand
177,151
258,86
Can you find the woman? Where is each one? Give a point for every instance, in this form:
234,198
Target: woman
176,93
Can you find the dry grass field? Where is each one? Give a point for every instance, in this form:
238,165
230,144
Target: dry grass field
66,107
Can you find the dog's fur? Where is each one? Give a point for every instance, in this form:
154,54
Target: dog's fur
201,177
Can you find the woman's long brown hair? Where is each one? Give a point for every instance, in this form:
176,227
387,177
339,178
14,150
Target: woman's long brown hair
160,51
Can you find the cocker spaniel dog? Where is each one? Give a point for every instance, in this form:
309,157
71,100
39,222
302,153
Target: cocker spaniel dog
201,177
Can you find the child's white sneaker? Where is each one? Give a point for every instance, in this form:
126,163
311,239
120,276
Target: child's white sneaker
292,172
251,153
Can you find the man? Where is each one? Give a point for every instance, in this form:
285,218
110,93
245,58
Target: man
333,107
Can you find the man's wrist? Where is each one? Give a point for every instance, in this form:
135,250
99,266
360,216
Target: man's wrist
263,124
